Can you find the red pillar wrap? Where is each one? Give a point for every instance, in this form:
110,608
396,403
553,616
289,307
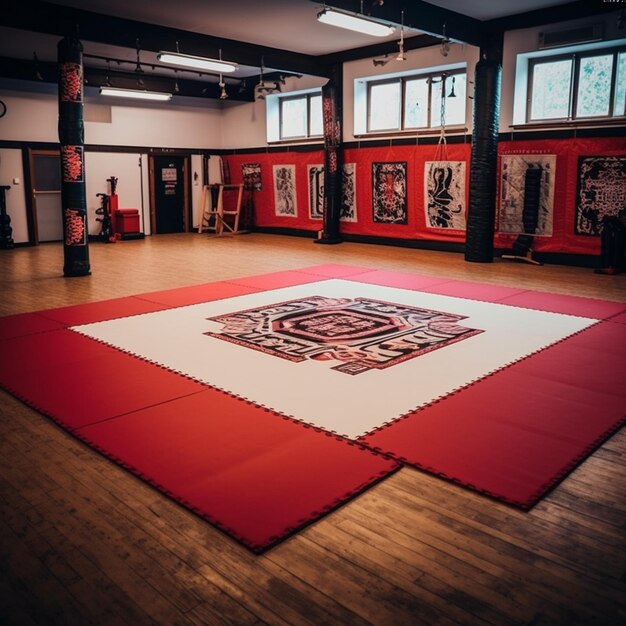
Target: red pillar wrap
71,138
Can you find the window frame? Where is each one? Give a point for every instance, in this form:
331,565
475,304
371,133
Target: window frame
433,78
290,98
576,58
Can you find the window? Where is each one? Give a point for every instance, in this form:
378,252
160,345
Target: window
578,86
416,101
300,116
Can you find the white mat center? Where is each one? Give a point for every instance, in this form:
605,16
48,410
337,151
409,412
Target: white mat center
310,390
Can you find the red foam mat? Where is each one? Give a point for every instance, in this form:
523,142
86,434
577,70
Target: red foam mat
332,270
25,324
473,291
77,381
620,318
196,294
516,433
254,474
276,280
98,311
53,349
569,305
396,279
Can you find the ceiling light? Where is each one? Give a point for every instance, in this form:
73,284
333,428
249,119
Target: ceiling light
134,93
198,63
354,21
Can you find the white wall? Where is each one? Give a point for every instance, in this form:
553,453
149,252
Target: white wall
11,168
243,125
34,117
416,60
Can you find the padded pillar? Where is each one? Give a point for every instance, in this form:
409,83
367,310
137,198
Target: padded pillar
483,168
333,156
71,138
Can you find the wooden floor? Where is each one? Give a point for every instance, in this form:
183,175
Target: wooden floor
84,542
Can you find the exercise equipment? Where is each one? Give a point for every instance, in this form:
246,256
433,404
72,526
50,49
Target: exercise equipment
117,223
106,231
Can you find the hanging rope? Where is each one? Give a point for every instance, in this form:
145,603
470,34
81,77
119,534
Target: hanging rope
441,153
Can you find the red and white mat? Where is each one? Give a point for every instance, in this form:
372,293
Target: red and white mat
279,348
262,403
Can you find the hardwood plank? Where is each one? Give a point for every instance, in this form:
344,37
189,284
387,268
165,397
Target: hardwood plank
427,584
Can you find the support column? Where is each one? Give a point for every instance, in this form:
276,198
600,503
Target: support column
333,156
71,138
483,168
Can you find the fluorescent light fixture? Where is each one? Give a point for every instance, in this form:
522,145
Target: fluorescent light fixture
138,94
354,21
197,63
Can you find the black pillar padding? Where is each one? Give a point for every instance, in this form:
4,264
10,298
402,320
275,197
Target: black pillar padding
71,139
483,168
333,156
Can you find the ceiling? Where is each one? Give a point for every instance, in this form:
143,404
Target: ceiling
286,24
278,37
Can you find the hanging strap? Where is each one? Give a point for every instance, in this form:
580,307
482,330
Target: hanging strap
441,153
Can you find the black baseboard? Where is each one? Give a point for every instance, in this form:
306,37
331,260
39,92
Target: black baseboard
127,236
292,232
419,244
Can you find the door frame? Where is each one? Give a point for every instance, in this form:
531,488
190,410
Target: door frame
187,218
31,199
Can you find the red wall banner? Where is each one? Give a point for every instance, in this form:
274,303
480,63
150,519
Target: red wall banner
561,237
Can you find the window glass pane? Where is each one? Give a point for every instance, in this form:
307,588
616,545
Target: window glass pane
316,115
619,107
47,172
293,117
384,109
594,85
455,99
435,101
551,90
416,103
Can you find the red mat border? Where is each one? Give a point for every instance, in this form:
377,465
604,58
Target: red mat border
542,490
258,548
